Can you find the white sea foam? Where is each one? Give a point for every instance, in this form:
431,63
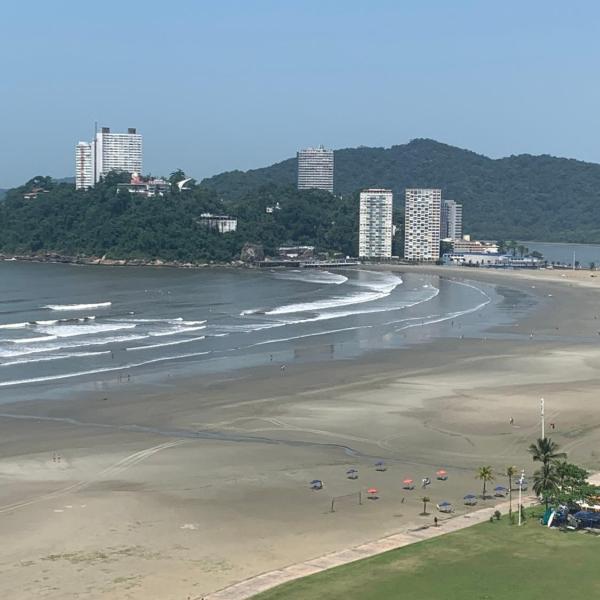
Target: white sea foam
175,343
175,331
23,361
380,284
312,276
31,340
14,325
62,330
75,307
64,345
16,382
306,335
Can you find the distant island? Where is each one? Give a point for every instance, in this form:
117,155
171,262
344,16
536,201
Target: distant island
518,197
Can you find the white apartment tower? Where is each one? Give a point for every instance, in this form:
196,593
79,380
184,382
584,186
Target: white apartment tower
422,224
107,152
315,169
451,225
84,166
117,152
375,224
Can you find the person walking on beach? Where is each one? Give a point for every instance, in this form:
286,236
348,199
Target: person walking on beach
511,420
283,369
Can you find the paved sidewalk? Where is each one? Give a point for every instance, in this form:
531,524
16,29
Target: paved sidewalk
260,583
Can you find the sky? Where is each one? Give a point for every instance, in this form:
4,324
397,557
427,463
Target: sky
238,84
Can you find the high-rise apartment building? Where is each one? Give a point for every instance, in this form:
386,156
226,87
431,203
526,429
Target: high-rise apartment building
375,224
84,166
117,152
315,169
422,224
451,224
108,152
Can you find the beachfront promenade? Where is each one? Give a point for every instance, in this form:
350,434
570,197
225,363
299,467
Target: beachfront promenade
260,583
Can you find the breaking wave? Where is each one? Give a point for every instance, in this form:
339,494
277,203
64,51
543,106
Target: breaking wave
77,306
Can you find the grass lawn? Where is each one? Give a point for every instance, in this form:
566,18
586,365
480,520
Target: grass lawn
491,561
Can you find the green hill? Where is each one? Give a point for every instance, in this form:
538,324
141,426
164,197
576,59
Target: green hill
101,222
519,197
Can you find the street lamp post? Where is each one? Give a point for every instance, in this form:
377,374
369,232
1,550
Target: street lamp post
521,479
543,418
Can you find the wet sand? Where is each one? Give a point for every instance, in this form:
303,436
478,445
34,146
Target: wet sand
177,490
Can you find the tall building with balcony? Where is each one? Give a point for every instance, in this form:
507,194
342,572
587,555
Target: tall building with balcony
422,215
451,223
375,224
84,166
315,169
107,152
117,152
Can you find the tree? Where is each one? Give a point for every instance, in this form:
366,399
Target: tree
546,482
485,474
425,500
546,451
511,246
510,473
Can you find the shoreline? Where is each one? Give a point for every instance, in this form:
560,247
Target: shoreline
55,258
443,403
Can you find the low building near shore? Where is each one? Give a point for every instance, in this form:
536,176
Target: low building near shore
293,252
220,223
483,259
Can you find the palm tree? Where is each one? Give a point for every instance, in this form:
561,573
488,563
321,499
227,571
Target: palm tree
546,451
510,473
425,500
485,474
546,482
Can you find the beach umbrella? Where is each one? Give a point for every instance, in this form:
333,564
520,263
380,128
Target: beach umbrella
380,465
316,484
442,474
350,471
408,484
372,492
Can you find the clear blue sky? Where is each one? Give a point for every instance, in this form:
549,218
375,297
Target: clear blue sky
218,85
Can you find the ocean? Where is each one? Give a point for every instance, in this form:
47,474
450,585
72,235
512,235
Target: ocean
564,253
65,325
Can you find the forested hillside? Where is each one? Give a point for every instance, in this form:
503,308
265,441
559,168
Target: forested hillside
101,222
520,197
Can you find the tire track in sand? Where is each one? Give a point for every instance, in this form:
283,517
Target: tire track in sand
110,471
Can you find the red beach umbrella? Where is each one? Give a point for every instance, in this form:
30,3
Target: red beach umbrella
372,491
442,472
408,481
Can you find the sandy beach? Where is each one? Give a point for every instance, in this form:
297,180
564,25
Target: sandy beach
173,491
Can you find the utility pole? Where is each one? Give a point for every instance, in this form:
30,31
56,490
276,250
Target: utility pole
521,479
543,418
